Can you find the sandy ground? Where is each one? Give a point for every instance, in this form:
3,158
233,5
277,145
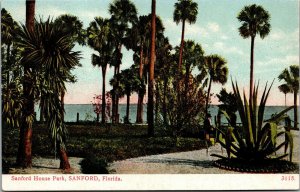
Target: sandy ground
191,162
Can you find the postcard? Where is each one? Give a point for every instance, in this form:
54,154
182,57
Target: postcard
150,95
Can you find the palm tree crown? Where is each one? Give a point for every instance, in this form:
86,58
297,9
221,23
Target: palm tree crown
185,10
255,20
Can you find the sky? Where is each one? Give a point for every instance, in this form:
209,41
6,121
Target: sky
216,29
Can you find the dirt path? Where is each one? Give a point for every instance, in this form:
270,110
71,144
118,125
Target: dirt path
198,162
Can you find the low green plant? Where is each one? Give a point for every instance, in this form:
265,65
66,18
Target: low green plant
256,139
94,165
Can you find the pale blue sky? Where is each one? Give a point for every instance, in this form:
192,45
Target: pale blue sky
216,30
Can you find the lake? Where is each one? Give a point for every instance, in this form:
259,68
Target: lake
86,112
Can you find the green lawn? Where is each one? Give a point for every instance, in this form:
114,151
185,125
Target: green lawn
106,142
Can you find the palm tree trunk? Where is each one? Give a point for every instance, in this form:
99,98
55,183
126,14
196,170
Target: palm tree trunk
251,70
127,108
139,115
25,155
181,46
164,104
151,72
207,98
64,161
62,100
295,110
103,95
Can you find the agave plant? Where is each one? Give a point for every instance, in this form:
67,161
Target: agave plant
256,139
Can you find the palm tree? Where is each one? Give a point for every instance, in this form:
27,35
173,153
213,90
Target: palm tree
217,71
54,60
193,56
101,40
123,14
24,157
285,89
140,37
185,10
150,115
291,78
255,20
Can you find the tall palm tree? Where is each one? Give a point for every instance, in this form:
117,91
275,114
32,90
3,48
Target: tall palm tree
255,20
24,157
123,14
185,11
217,71
101,40
140,36
285,89
72,26
150,113
54,60
291,78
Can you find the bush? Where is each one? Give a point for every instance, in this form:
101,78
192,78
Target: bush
93,165
256,139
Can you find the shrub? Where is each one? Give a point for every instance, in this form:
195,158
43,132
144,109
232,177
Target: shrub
93,165
256,139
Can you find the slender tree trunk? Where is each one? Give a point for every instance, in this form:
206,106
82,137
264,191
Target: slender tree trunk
164,107
285,100
41,110
127,108
181,46
141,69
208,95
103,95
187,77
113,97
157,99
251,70
295,110
64,161
151,72
62,100
139,115
25,157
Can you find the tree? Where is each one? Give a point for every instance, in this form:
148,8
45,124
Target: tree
185,10
255,20
73,26
150,115
123,15
217,71
140,37
101,40
291,78
285,89
24,157
129,82
54,60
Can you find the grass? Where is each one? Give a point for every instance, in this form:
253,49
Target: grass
107,142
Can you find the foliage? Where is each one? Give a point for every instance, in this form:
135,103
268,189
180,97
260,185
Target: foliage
185,10
48,50
255,20
255,140
93,165
97,104
229,103
110,142
184,108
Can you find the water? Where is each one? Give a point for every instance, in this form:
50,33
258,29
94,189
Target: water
86,112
